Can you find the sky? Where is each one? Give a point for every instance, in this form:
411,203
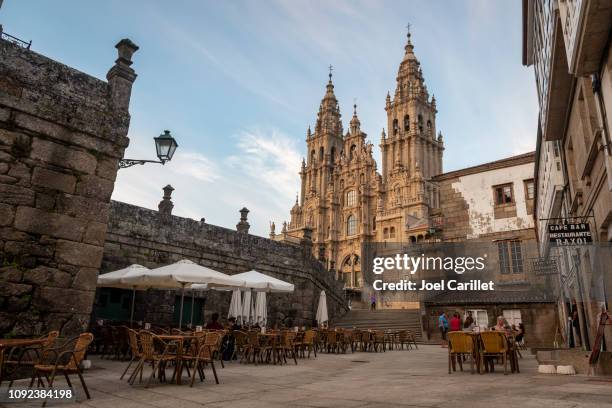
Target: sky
239,82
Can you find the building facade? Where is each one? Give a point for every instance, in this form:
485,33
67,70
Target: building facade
489,208
568,43
344,201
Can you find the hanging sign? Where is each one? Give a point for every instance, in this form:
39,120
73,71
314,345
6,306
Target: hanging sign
570,234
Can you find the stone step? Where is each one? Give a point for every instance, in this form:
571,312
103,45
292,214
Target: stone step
385,319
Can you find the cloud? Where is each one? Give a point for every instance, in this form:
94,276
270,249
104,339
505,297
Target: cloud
260,174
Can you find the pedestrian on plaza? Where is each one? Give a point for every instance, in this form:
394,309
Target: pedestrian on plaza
443,325
455,322
372,302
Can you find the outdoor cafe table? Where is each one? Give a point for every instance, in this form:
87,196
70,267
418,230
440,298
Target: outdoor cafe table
180,340
7,344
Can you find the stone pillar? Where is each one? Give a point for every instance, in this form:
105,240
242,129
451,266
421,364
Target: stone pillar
165,205
58,164
243,225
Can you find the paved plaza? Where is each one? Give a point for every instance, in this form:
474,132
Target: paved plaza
416,378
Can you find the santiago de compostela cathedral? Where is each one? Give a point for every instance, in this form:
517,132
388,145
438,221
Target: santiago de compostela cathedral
344,201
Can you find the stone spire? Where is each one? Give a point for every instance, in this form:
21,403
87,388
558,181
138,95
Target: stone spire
410,80
328,118
355,124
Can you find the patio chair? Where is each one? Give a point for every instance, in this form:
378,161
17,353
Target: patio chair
332,342
27,357
134,350
460,345
379,341
203,357
67,361
287,346
149,354
308,343
494,344
240,344
403,337
252,348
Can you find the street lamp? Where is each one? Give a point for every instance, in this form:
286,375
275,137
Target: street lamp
165,145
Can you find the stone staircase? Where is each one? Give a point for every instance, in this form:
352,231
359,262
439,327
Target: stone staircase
392,319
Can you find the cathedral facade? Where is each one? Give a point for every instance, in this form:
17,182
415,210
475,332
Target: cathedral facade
345,200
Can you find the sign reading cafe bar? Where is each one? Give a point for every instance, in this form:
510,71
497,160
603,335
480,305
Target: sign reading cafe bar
570,234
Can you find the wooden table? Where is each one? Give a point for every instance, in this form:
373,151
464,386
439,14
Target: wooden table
7,344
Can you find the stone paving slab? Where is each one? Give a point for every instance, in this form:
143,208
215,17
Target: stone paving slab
416,378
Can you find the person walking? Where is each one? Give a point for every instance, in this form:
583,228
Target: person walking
443,325
372,302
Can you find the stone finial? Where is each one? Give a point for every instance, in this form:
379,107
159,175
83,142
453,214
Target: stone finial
121,76
165,205
243,225
272,230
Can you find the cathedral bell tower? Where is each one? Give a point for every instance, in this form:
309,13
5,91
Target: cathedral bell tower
411,123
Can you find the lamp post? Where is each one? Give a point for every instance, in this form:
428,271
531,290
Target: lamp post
165,145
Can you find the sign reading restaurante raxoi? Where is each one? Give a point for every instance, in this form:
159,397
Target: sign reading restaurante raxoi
570,234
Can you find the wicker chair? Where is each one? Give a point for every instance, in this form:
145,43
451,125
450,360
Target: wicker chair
308,343
202,357
134,349
19,358
379,341
149,354
287,346
460,345
494,344
68,358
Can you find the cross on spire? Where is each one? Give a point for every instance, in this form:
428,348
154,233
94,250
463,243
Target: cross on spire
331,68
408,29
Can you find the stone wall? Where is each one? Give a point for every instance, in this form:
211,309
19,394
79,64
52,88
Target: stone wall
153,239
62,133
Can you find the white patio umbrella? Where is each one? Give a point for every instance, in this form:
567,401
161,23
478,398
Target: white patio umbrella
261,310
247,308
235,309
113,280
260,282
181,274
322,316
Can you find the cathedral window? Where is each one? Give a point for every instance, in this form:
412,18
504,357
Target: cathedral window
392,232
420,121
395,127
429,125
351,225
312,157
373,223
406,122
321,154
333,155
386,233
351,198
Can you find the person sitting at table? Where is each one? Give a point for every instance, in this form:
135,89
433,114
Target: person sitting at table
502,325
233,324
468,323
520,332
214,323
455,322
